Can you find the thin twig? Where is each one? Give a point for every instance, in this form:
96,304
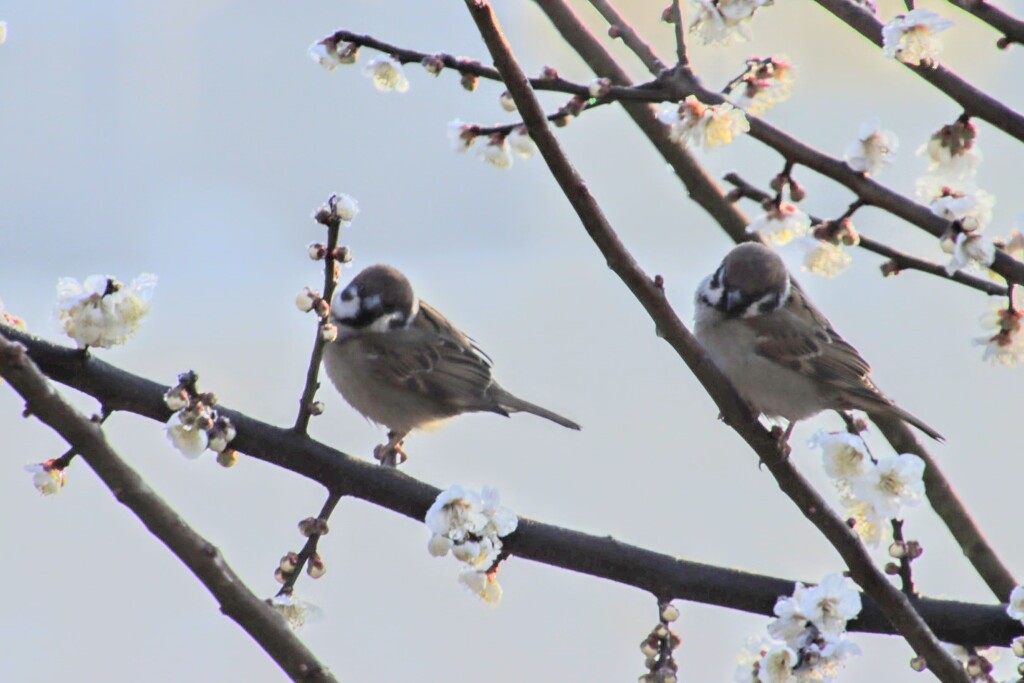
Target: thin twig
900,260
629,36
309,549
333,225
905,572
598,556
204,560
973,101
682,61
703,190
894,604
1010,26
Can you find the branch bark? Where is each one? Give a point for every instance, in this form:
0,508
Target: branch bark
204,560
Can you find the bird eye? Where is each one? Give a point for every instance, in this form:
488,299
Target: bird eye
347,294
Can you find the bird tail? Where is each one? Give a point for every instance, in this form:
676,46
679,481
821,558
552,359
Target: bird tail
514,404
917,422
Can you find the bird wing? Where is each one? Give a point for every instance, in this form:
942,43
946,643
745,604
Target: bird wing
799,337
434,358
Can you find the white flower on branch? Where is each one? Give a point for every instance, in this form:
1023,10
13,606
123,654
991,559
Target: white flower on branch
823,257
330,54
845,456
521,142
695,124
48,479
721,22
386,73
830,604
894,483
781,223
767,82
456,514
913,37
953,156
972,210
101,311
188,437
497,152
345,208
968,248
873,150
484,585
11,320
777,665
790,623
1015,608
867,522
297,613
1003,342
461,135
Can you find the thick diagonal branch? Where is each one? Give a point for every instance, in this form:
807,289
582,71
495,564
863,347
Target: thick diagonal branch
204,560
893,603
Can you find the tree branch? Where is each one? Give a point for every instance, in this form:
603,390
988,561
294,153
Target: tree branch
204,560
893,603
1010,26
975,102
599,556
902,260
629,36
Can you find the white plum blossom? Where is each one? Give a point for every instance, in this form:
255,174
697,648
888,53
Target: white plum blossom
386,73
781,224
830,604
767,82
47,479
484,585
296,612
345,208
873,150
968,248
827,658
823,257
500,520
190,439
972,210
845,455
11,320
470,527
777,665
325,54
953,156
894,483
521,142
1003,341
790,624
457,514
695,124
867,522
913,37
1015,608
461,135
497,152
101,311
720,22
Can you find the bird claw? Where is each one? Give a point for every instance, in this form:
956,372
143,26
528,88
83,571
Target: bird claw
781,437
391,454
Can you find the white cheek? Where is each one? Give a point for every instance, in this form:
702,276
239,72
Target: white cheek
341,309
383,323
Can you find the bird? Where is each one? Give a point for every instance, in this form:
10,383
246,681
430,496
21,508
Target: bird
403,365
780,352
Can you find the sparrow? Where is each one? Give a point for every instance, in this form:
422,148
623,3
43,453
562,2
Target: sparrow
403,365
777,349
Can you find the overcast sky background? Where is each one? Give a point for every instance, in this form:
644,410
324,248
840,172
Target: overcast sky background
193,139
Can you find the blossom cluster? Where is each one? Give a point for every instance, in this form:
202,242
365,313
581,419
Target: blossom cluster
470,526
102,311
384,71
722,22
823,248
766,82
196,424
694,124
807,638
781,223
872,492
496,148
1003,340
913,38
48,477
